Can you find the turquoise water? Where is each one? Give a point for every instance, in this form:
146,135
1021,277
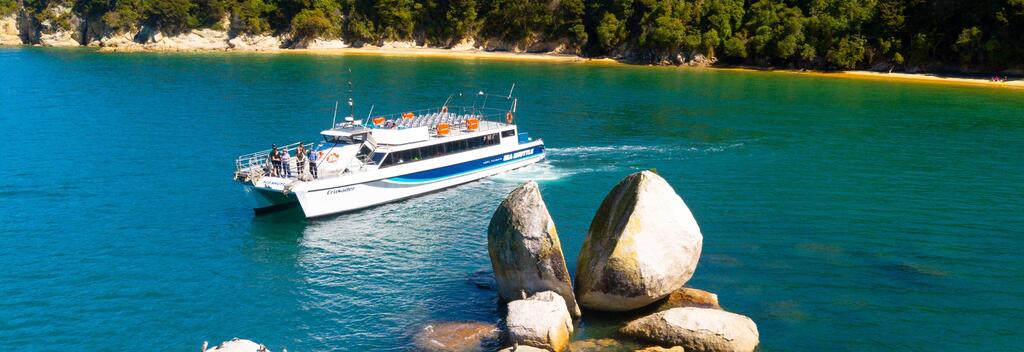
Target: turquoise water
838,214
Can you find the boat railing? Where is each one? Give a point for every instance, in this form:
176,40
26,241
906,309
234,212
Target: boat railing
249,165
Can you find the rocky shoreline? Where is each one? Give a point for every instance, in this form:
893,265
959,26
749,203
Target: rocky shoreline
642,247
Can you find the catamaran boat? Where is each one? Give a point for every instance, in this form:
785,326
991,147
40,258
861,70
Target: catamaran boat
360,164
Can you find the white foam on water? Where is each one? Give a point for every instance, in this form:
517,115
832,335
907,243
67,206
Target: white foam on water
543,171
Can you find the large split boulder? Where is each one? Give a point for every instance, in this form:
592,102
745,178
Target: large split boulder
468,336
525,251
696,329
642,244
540,321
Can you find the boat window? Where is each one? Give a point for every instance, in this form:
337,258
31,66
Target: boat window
378,157
437,150
363,152
508,133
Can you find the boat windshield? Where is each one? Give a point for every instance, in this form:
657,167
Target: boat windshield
352,139
377,158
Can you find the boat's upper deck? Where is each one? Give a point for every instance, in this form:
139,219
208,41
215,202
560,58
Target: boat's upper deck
400,131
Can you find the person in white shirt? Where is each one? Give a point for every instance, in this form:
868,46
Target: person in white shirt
286,163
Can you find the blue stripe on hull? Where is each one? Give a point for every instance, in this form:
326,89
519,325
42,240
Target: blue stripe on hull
471,166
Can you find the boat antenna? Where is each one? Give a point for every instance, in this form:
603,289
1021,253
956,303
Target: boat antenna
446,101
368,114
334,120
510,91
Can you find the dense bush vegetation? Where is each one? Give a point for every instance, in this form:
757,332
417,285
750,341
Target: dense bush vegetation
984,34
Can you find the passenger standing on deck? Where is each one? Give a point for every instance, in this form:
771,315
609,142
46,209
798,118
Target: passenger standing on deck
275,161
286,163
312,162
300,160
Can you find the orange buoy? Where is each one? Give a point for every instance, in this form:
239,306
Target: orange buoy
472,124
444,108
407,115
379,120
443,129
508,117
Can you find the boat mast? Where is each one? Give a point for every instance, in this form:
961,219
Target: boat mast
351,102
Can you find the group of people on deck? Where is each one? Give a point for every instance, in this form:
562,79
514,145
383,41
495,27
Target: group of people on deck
280,162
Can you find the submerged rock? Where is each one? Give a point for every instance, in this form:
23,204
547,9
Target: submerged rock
662,349
603,345
483,279
524,248
696,329
466,336
238,345
689,297
540,321
522,349
642,244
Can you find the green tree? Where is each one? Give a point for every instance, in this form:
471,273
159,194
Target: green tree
969,45
667,34
125,15
309,24
396,18
848,53
252,16
610,32
736,46
170,16
8,7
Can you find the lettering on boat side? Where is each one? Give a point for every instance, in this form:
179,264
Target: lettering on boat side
340,190
518,154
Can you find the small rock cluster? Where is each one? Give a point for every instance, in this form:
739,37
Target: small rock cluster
643,245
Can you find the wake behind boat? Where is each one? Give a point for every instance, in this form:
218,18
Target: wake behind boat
360,164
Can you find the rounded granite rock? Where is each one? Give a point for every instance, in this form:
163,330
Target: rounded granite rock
525,251
696,329
643,243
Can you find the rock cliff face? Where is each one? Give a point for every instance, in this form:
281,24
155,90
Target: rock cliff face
60,29
9,34
525,251
642,244
253,42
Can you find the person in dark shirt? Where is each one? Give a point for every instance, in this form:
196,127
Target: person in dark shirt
275,160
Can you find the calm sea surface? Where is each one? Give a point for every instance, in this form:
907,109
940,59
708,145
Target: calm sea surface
838,214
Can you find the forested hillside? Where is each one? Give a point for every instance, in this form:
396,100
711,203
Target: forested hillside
826,34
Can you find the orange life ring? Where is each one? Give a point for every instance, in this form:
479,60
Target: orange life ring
444,108
508,117
332,158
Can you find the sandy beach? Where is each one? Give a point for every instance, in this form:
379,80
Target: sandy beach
477,54
503,55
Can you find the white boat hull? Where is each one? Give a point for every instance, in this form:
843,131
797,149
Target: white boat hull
362,190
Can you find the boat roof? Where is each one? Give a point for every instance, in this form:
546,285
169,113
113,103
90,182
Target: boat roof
345,131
